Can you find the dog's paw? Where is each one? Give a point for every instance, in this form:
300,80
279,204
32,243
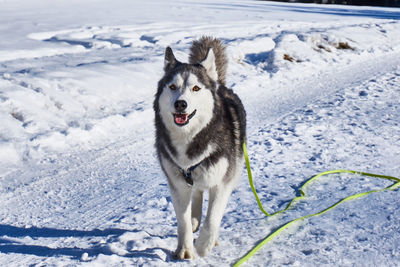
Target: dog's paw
204,245
195,224
184,253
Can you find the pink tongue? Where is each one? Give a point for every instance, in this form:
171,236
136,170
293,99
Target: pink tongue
180,118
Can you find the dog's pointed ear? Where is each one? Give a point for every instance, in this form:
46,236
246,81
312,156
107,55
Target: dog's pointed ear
169,59
209,64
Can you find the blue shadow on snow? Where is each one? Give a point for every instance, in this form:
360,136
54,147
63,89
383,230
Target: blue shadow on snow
11,246
375,12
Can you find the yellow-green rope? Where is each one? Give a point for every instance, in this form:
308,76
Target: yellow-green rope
303,195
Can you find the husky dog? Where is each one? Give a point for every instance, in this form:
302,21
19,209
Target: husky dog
200,127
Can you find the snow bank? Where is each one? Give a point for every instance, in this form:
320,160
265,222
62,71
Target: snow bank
77,81
95,82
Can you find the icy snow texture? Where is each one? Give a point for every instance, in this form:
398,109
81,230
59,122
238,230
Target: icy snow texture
80,184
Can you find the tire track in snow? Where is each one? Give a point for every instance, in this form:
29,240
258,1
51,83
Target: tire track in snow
278,101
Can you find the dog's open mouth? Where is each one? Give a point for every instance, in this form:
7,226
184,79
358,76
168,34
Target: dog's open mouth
181,119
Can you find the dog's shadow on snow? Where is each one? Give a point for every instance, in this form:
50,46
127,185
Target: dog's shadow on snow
8,245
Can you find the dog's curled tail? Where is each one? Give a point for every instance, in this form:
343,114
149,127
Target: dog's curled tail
199,51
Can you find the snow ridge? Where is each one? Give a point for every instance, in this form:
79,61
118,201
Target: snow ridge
79,181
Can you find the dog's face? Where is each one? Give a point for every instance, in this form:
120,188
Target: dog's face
186,96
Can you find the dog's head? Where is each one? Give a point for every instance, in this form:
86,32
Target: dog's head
186,94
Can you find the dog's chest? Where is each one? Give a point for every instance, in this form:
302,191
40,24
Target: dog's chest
181,156
204,175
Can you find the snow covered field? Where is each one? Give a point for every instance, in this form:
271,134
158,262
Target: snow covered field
79,179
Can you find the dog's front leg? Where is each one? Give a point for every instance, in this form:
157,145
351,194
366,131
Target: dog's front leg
197,203
181,198
208,236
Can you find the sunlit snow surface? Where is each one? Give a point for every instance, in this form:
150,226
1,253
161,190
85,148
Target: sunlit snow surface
79,179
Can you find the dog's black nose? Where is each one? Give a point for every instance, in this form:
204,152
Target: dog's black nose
180,105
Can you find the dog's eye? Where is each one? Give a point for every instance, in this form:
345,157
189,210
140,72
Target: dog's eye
172,87
196,88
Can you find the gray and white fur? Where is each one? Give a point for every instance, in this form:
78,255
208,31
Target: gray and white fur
200,127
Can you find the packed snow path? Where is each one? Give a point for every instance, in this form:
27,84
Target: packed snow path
79,179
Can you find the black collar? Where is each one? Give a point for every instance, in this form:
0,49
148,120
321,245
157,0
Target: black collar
187,174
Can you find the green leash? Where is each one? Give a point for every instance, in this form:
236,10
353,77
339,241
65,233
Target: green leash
395,185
